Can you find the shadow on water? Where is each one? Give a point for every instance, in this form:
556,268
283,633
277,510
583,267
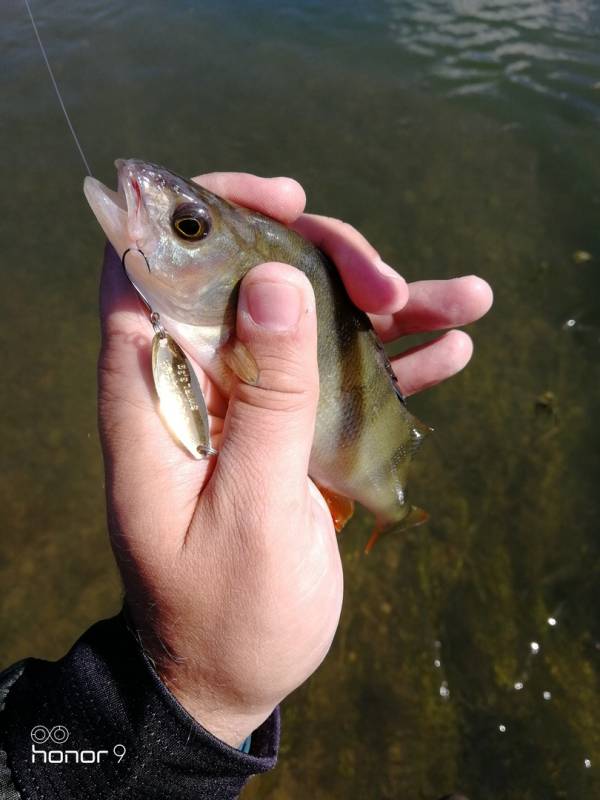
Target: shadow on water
467,655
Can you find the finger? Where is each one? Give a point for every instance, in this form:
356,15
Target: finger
120,306
269,426
429,364
434,305
281,198
372,285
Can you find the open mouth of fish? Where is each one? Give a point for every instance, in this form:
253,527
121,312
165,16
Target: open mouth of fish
125,220
121,214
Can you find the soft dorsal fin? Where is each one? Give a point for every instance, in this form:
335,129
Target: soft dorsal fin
419,429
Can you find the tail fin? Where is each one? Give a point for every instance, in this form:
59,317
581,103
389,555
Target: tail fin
416,516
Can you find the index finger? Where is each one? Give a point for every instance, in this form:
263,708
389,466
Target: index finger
281,198
372,285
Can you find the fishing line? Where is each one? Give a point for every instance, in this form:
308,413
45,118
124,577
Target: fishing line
56,89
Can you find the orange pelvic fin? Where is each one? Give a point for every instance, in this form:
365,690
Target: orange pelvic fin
341,508
416,516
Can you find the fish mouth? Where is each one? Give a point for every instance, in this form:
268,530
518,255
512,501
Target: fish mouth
121,214
125,219
129,195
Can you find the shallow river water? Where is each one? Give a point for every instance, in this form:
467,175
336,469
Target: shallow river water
459,137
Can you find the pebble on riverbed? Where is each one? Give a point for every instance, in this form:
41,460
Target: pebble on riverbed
581,256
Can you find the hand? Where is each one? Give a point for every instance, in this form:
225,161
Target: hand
231,566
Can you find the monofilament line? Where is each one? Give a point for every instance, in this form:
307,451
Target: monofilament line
56,89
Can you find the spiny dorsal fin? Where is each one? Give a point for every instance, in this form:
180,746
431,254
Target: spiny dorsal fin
388,367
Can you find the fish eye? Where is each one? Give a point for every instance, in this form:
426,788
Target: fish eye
190,223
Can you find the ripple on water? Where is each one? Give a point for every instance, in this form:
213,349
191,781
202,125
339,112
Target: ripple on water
545,48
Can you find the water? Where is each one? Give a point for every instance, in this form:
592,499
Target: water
460,137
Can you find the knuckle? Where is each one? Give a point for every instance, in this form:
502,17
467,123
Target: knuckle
342,230
284,382
351,242
349,229
276,398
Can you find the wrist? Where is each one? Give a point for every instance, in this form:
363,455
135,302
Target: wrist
210,696
227,723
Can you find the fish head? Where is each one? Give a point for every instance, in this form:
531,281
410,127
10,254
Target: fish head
191,241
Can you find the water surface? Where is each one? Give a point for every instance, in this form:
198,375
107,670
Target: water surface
460,137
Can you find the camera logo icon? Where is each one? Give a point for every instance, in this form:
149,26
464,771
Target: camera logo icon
40,734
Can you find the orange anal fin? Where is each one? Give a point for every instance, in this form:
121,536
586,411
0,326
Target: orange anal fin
341,508
416,516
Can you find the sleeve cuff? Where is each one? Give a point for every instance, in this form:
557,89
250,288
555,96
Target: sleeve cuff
100,723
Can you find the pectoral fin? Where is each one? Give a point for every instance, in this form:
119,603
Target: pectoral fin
240,361
416,516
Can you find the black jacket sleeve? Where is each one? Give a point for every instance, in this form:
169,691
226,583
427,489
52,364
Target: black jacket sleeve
99,723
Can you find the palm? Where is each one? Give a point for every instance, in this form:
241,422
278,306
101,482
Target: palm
167,474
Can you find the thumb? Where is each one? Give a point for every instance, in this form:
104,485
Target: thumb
269,426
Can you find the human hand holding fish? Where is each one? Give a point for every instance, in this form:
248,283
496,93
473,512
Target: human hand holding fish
231,565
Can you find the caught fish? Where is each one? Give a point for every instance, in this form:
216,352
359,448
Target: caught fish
197,248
